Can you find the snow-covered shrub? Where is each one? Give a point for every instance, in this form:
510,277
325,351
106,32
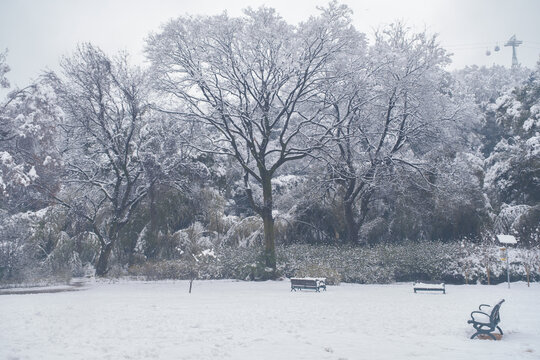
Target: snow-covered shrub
379,264
245,232
385,263
508,217
38,247
320,271
161,270
56,249
17,255
530,259
237,262
527,227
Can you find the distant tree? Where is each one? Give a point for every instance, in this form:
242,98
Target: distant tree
4,69
487,84
513,167
29,159
395,111
252,82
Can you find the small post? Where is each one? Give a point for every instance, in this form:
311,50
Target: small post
506,240
507,269
504,257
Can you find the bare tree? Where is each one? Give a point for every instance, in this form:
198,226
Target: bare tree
254,81
106,105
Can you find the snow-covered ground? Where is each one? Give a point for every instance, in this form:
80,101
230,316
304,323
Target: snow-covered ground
264,320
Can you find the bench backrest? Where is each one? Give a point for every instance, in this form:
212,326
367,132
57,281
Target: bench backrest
494,316
305,282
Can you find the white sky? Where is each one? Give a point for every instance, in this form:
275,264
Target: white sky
38,32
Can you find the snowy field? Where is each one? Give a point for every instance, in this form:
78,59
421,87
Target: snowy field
264,320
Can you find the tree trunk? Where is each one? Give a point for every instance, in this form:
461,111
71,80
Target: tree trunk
268,223
269,241
102,266
488,279
350,222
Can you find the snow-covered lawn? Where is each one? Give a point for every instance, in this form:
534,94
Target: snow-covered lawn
264,320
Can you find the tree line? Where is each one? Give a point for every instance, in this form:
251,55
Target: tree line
255,131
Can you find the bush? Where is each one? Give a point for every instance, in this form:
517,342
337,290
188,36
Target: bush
161,270
384,263
317,270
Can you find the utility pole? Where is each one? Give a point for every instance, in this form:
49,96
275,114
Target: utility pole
514,43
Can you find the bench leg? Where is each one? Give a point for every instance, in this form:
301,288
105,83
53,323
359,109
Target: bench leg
500,330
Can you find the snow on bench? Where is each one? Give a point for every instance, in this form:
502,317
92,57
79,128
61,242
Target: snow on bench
429,286
308,283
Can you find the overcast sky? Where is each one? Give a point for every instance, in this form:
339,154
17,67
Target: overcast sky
38,32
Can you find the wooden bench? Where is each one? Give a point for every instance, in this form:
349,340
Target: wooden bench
308,283
485,323
429,286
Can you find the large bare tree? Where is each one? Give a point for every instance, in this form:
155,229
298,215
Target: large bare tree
254,83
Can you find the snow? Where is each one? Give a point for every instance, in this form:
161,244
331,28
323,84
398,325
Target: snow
265,320
507,239
6,158
208,252
47,160
428,285
32,174
311,278
533,145
285,180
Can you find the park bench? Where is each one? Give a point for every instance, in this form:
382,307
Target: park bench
429,286
308,283
485,323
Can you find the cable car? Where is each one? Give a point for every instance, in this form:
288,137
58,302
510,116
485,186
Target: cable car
488,53
497,47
